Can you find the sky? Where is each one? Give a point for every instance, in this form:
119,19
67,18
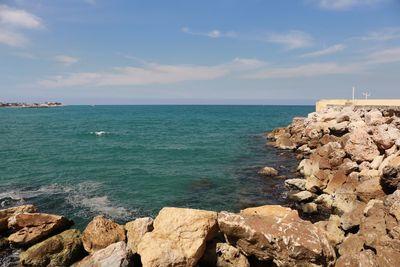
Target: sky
198,52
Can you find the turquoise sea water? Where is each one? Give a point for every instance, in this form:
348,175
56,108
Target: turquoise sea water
130,161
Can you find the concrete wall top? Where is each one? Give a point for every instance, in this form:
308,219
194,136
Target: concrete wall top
323,103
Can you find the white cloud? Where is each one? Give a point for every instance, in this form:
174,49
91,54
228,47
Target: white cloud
66,60
150,73
385,34
11,20
12,38
210,34
306,70
345,4
385,56
327,51
290,40
18,18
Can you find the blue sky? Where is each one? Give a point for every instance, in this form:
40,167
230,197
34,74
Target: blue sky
198,52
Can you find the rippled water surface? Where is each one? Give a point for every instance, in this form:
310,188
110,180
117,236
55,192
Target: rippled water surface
129,161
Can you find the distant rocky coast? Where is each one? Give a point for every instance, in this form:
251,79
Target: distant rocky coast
26,105
349,171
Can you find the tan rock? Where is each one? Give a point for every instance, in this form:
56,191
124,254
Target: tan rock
271,210
333,231
135,230
373,225
179,237
353,217
338,179
268,171
34,227
360,146
351,245
284,142
376,162
370,189
100,233
365,258
114,255
60,250
5,214
229,256
302,196
287,241
296,183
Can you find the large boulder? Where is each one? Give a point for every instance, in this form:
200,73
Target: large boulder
360,146
60,250
135,230
100,233
33,227
5,214
279,235
179,237
114,255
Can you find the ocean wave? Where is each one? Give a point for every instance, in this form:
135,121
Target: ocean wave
100,133
83,197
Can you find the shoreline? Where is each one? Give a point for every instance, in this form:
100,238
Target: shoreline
351,171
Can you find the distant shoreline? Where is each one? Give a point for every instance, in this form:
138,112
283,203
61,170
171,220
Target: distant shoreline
34,105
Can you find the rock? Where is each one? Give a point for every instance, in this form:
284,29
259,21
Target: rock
352,218
100,233
285,239
370,189
376,162
360,146
296,183
352,244
5,214
365,258
387,256
392,150
34,227
385,136
268,171
373,225
319,181
332,228
345,199
348,166
328,156
179,237
374,117
338,179
271,210
229,256
135,230
114,255
325,200
302,196
395,210
283,142
309,208
60,250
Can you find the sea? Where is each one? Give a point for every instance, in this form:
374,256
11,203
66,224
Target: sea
127,162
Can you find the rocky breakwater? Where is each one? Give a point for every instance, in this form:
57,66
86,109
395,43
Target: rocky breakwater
260,236
351,172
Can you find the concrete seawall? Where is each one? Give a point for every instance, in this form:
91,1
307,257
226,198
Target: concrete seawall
390,103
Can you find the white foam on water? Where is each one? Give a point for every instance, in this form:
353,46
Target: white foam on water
82,196
100,133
